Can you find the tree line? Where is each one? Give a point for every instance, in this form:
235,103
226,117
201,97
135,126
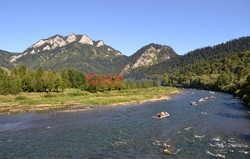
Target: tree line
20,79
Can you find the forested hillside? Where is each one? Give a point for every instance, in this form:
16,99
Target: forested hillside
4,59
224,67
206,53
229,74
149,55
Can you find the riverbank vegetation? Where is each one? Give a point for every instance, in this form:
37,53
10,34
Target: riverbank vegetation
21,79
25,90
41,101
229,74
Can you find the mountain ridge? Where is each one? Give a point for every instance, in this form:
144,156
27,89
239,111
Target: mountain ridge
206,53
87,55
78,51
149,55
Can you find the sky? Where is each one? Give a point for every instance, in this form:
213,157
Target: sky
126,25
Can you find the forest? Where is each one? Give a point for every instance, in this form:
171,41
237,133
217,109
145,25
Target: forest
230,74
219,51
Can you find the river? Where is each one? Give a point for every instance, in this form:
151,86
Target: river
215,128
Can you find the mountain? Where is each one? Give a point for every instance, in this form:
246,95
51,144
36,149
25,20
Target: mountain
149,55
223,67
81,52
207,53
4,59
77,51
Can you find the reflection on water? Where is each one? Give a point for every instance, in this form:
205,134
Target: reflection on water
214,128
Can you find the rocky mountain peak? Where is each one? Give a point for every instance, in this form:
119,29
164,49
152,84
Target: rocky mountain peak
100,43
53,41
56,41
149,55
39,43
147,58
86,40
71,38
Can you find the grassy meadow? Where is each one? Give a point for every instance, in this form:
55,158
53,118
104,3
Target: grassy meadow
34,101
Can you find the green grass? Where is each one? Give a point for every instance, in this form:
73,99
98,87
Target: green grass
18,98
24,102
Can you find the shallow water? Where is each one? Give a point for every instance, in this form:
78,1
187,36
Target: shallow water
215,128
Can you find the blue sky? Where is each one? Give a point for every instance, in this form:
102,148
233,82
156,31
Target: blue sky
126,25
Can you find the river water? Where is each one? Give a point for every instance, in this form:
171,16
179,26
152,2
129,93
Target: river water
215,128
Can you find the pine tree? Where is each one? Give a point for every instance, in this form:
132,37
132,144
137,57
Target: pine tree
65,79
27,82
165,79
40,81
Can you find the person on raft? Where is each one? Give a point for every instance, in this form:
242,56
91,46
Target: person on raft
161,114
